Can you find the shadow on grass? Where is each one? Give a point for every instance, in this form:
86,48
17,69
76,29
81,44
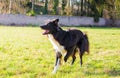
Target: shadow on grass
65,71
114,72
94,73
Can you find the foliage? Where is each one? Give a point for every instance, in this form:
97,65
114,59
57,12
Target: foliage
91,8
46,7
64,2
26,53
56,2
95,11
31,13
117,5
17,6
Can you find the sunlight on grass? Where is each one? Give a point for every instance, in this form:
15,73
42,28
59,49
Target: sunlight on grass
26,53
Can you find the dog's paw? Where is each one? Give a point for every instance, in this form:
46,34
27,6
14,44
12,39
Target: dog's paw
53,72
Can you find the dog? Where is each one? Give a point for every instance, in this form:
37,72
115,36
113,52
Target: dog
65,42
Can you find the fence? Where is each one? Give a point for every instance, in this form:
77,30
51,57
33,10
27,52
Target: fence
19,19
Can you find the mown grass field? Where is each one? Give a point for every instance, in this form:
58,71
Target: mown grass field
26,53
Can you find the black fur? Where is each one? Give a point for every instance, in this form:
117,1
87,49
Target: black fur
72,40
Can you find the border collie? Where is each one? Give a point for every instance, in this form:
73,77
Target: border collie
65,42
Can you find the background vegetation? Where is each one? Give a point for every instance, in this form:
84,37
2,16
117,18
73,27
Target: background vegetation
109,9
26,53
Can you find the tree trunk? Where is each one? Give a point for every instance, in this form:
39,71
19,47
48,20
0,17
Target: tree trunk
88,8
81,7
85,7
72,9
56,2
64,2
10,6
46,7
33,2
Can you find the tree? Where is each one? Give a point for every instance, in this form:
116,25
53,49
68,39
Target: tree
93,8
117,9
68,9
10,6
64,3
33,2
46,7
82,7
56,2
78,6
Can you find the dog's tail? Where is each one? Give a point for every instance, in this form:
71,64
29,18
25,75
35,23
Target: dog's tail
86,43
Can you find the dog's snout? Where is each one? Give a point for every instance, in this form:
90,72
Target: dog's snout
42,26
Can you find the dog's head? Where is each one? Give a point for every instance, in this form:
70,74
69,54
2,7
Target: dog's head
51,27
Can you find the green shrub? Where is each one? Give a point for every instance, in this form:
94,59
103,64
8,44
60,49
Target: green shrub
31,13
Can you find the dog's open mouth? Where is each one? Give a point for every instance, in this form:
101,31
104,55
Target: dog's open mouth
45,32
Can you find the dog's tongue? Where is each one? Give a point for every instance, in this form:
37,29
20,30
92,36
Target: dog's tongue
46,31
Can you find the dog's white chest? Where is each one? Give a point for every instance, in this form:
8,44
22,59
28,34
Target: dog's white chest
56,45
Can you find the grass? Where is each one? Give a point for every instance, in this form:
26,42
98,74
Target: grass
25,53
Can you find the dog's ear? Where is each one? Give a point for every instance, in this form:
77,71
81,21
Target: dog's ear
56,21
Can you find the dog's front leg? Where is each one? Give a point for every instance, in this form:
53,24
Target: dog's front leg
56,66
58,61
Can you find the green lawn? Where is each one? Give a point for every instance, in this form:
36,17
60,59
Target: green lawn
26,53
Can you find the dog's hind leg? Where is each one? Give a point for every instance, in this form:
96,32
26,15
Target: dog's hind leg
73,56
58,61
81,61
69,52
81,47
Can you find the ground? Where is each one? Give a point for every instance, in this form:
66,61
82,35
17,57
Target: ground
26,53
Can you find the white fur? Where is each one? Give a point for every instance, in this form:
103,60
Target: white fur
56,67
56,45
58,48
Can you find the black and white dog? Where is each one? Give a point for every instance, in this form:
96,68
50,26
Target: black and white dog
65,42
